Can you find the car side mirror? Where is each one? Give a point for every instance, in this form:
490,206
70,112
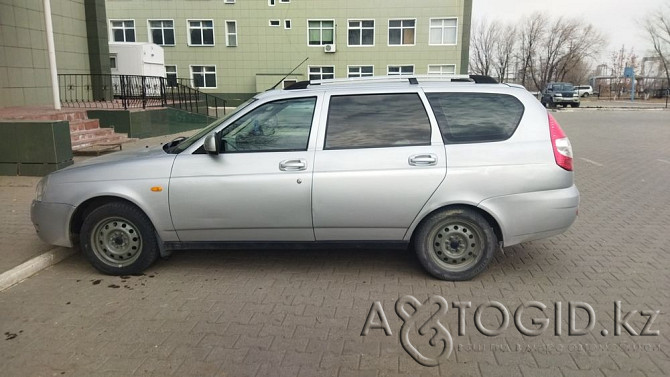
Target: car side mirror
211,144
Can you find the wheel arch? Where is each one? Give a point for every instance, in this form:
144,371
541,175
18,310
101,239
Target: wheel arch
80,212
497,230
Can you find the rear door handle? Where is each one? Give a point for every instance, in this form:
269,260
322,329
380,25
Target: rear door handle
423,160
293,165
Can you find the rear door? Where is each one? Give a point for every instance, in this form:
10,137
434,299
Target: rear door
378,160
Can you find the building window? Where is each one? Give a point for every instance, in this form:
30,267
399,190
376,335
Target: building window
401,32
123,30
320,32
287,24
321,72
443,31
161,32
203,76
275,23
361,33
231,33
285,1
441,69
360,71
400,70
171,75
201,33
112,61
271,3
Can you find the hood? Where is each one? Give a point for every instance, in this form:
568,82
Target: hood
146,163
121,155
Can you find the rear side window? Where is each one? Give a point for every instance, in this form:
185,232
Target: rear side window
376,121
475,117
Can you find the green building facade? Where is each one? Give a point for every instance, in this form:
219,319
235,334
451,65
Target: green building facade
239,47
80,39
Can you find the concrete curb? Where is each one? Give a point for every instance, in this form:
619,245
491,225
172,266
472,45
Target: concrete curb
33,266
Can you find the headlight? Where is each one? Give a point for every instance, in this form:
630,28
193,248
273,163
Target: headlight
558,95
41,188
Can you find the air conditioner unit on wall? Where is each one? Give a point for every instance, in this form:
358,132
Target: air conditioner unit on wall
329,48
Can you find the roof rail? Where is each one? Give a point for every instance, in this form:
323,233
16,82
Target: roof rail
412,79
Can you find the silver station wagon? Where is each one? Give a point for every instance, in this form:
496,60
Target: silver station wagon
453,168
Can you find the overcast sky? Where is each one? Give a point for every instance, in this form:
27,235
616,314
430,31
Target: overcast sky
616,19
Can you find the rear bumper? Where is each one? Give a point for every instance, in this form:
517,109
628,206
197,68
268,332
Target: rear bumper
535,215
51,222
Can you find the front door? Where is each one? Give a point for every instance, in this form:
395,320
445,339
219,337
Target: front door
258,188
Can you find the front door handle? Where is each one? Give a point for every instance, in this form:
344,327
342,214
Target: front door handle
293,165
423,160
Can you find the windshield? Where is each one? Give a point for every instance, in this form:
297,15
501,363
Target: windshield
563,87
188,142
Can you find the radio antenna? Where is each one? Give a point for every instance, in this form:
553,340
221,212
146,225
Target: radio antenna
289,74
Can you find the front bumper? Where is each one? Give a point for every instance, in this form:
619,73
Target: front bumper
574,99
51,221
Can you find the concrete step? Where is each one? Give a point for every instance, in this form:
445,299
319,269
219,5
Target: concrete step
91,134
101,140
63,115
84,124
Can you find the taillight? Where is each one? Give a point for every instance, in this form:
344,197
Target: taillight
561,145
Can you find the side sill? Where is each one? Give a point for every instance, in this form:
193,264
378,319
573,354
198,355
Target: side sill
253,245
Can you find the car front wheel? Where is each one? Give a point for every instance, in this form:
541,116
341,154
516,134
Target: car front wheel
455,244
119,239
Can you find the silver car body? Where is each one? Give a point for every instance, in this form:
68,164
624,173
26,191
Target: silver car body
371,194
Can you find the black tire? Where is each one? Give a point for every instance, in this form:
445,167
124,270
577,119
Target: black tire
119,239
585,95
575,105
468,247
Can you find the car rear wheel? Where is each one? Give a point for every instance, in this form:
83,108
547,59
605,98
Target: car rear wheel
119,239
455,244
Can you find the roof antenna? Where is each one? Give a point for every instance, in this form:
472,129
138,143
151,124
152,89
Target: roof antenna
289,74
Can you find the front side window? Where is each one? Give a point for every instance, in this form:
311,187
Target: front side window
376,121
162,32
360,71
400,70
171,75
321,72
475,117
123,30
361,33
203,76
320,32
443,31
231,33
276,126
201,33
441,69
401,32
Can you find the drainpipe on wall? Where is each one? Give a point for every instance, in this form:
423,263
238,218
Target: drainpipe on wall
52,54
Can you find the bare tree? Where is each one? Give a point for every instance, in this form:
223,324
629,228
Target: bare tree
531,34
504,53
483,42
657,26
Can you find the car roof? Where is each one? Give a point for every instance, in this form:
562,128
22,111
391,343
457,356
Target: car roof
386,83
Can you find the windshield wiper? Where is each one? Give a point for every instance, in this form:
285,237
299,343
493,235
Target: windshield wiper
168,147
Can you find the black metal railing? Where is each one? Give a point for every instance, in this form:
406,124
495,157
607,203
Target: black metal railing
132,91
190,99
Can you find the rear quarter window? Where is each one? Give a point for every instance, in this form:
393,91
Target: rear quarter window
476,117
